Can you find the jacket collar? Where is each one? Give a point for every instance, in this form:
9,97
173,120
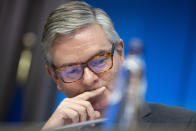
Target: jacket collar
144,110
144,113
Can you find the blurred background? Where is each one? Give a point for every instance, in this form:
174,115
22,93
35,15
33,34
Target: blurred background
167,29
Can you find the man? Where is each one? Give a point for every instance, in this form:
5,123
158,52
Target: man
83,54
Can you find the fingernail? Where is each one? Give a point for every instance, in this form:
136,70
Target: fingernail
97,114
103,87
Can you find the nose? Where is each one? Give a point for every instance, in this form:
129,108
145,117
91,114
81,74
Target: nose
89,77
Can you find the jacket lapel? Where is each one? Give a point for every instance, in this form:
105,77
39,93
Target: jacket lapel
144,114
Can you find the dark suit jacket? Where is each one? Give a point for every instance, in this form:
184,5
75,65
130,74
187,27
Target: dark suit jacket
161,117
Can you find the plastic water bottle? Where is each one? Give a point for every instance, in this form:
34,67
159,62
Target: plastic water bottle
129,88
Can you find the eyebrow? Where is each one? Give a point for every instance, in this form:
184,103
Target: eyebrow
76,63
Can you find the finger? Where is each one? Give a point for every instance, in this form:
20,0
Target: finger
97,114
88,106
70,114
79,109
90,94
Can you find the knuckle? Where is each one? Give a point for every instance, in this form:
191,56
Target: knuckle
62,111
87,103
60,108
67,98
75,115
83,110
65,101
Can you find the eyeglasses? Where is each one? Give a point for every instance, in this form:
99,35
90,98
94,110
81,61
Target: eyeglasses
97,64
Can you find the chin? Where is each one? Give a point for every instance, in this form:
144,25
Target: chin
100,103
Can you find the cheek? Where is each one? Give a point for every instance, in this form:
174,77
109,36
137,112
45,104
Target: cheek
116,65
110,76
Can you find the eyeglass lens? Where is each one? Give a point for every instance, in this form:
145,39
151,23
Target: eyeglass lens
97,65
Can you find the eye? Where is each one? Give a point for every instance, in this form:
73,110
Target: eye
73,70
98,61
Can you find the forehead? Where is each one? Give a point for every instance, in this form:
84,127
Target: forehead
81,46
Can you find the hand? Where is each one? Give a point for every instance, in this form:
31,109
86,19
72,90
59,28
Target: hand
74,110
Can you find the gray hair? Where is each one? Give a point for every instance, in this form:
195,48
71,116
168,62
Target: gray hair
67,18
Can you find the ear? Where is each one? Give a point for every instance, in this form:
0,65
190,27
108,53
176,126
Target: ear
51,73
59,88
120,48
54,76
